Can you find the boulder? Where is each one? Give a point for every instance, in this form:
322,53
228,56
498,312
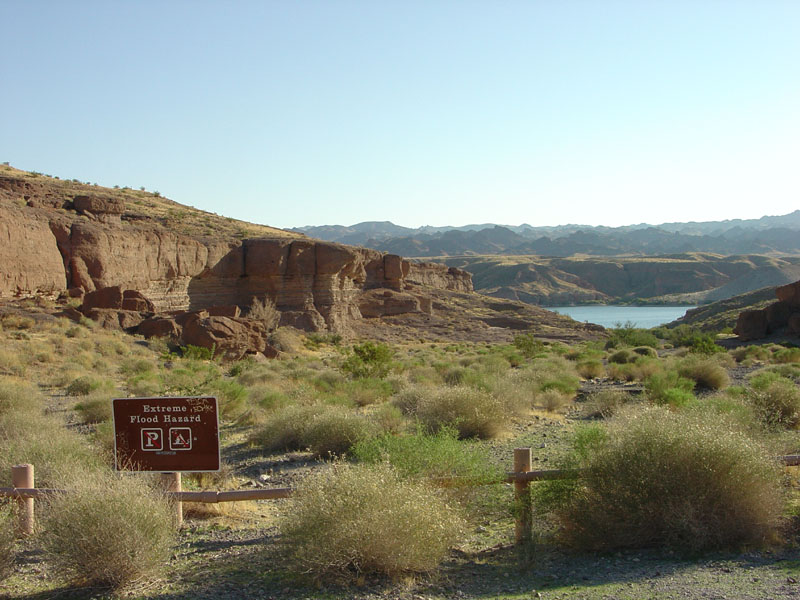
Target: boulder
110,318
116,297
159,327
751,325
231,337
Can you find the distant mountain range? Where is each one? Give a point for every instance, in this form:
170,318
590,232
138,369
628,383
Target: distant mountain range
767,235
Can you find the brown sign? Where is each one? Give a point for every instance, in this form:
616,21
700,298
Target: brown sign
166,434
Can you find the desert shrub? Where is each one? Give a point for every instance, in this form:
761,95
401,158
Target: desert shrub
731,405
591,368
630,335
646,351
94,408
313,341
606,403
17,395
108,531
368,390
408,399
528,345
146,384
659,478
286,427
191,352
136,366
423,454
86,384
619,372
669,388
474,413
358,520
287,340
777,402
11,363
334,430
256,374
266,397
787,355
368,360
705,373
42,440
622,357
232,397
388,418
7,546
264,310
551,400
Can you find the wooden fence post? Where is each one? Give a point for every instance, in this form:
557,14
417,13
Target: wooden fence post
172,483
22,477
522,526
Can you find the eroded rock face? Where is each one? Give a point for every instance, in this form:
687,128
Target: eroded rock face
58,243
781,315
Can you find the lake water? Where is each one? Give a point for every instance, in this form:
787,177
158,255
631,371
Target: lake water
609,316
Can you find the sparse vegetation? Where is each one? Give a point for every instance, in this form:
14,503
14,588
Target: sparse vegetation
656,478
352,521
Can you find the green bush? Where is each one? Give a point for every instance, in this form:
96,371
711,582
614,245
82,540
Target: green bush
95,408
474,413
656,478
630,335
108,531
352,521
368,360
669,388
423,454
528,345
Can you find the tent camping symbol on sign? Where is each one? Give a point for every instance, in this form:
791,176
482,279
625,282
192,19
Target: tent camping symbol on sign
180,438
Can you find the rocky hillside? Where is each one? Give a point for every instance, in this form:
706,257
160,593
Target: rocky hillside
71,238
673,279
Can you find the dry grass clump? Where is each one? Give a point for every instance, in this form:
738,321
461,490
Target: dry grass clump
356,520
656,478
7,545
285,429
264,310
552,400
607,403
474,413
17,395
109,531
591,368
11,364
705,372
335,430
86,384
776,401
95,408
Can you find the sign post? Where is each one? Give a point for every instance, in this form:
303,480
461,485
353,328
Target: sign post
168,436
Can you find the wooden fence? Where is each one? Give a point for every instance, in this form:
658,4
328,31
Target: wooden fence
25,491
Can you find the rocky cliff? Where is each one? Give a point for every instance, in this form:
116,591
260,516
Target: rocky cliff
60,236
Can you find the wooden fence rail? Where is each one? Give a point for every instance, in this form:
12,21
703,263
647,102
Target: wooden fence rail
25,492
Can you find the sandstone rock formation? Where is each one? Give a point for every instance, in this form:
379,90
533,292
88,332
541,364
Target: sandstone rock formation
57,241
783,315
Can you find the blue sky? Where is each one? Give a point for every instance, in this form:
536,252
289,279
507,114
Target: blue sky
417,112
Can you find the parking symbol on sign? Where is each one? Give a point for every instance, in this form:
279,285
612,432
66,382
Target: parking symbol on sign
180,438
152,439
